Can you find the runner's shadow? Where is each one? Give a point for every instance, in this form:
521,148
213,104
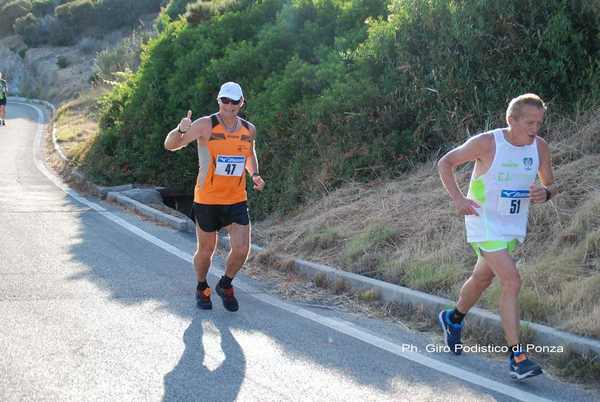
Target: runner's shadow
192,379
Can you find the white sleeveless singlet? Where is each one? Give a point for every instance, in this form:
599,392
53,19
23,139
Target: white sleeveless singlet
503,193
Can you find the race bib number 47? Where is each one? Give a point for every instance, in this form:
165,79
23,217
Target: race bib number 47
230,165
513,202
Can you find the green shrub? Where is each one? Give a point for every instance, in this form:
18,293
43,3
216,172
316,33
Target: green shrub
113,14
123,57
175,8
10,12
28,26
40,8
78,13
58,33
99,16
351,89
199,11
62,62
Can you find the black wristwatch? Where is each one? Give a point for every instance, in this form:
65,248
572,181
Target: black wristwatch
255,174
548,194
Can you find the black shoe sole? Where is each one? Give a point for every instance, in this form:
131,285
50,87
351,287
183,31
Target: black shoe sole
203,306
529,374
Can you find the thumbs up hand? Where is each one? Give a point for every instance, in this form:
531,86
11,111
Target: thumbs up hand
185,123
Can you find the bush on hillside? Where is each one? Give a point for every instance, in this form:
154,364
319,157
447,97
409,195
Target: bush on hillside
79,15
199,11
28,27
121,58
9,13
335,98
113,14
75,18
175,8
59,34
40,8
44,30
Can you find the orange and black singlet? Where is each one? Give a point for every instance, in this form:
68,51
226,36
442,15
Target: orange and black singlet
222,162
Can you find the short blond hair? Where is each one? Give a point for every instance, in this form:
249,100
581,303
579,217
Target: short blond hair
516,104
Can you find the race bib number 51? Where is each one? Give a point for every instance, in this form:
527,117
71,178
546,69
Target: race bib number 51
513,202
230,165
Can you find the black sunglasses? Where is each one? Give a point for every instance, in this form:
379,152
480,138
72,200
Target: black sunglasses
227,101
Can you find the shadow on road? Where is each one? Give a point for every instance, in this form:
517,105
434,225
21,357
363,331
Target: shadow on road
192,380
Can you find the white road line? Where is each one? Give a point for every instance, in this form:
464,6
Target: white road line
337,325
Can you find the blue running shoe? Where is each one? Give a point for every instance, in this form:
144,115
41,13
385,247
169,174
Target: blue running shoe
522,367
451,332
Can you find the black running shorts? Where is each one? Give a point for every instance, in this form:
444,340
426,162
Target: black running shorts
212,218
2,102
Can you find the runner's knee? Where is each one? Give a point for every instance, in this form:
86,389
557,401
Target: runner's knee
240,251
511,283
203,253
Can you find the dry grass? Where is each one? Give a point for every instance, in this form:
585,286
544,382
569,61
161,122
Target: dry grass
76,124
406,232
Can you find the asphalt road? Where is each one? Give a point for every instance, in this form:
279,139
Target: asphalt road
96,304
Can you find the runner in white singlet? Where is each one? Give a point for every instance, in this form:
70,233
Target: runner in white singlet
496,208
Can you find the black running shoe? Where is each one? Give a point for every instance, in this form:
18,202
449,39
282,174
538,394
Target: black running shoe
522,367
203,299
229,300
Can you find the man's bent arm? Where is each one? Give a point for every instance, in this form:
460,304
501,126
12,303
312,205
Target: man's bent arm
177,139
470,151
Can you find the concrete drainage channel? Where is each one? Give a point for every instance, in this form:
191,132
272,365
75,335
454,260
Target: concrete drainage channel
136,199
541,335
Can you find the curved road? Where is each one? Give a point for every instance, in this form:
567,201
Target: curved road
96,304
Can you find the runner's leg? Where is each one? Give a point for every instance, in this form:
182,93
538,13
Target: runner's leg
478,282
504,267
206,245
239,238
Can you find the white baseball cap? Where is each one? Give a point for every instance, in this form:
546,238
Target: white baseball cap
230,90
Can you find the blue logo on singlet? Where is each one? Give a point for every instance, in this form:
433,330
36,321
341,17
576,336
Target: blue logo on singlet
230,159
514,194
527,163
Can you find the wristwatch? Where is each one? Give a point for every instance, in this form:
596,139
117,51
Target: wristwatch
255,174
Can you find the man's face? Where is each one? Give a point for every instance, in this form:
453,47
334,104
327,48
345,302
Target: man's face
528,123
229,107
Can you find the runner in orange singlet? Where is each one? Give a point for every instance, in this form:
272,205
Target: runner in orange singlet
225,153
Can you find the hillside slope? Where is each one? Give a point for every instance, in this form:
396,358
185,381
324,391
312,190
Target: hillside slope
405,231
